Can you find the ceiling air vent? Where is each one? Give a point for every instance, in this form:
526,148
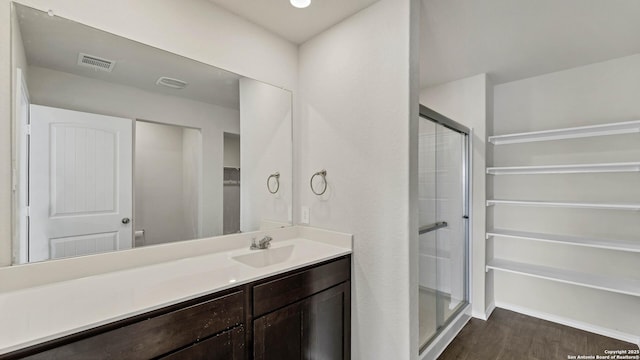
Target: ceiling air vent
172,83
96,63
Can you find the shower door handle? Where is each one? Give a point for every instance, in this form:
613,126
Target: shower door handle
432,227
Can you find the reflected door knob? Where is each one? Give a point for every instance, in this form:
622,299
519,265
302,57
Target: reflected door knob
126,220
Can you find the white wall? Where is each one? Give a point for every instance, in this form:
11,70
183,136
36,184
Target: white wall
9,60
18,61
265,141
355,114
6,113
233,44
595,94
192,184
63,90
465,101
18,57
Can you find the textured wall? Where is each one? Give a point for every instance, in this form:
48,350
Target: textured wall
355,113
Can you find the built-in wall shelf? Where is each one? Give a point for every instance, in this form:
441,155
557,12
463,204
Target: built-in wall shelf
568,133
576,205
565,169
611,244
615,284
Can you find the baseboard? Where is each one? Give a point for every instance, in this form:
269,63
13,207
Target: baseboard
634,339
487,312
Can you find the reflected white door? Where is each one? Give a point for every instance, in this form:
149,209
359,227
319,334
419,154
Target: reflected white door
80,183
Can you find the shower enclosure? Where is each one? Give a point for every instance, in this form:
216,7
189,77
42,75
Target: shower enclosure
444,223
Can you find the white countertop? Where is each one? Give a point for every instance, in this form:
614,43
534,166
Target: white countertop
37,314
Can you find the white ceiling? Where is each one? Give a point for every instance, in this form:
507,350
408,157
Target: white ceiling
516,39
54,43
295,25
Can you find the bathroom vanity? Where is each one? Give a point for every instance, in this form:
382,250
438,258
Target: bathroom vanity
288,302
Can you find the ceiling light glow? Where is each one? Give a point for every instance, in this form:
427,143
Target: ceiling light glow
300,4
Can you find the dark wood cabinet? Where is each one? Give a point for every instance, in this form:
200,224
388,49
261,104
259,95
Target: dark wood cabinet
302,314
327,324
314,328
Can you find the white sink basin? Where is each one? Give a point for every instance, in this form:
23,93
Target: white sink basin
262,258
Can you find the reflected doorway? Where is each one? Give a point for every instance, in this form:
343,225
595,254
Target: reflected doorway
231,196
168,173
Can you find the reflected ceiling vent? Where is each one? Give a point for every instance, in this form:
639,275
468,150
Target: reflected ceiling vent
172,83
95,62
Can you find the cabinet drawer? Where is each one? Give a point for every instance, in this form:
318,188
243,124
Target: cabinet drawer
280,292
157,335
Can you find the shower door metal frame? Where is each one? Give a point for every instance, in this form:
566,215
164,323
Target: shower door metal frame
440,119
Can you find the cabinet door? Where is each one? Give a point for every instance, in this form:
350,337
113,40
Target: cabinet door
228,345
316,328
326,324
278,335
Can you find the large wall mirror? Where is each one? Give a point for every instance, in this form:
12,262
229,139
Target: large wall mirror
120,145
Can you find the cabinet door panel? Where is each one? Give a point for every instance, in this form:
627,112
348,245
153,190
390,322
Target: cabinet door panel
278,335
228,345
326,325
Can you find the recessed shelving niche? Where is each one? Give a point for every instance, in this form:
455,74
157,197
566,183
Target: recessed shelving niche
617,284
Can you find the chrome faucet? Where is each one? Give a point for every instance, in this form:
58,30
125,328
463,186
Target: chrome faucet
262,244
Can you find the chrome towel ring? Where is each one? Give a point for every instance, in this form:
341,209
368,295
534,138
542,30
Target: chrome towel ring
275,176
322,173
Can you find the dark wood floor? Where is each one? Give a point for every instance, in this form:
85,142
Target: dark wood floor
511,336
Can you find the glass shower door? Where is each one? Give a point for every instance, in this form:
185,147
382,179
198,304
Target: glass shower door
443,206
427,277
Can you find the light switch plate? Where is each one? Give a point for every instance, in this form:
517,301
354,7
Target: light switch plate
304,216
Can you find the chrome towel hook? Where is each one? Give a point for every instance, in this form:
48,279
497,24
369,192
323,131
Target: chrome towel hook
276,176
322,173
